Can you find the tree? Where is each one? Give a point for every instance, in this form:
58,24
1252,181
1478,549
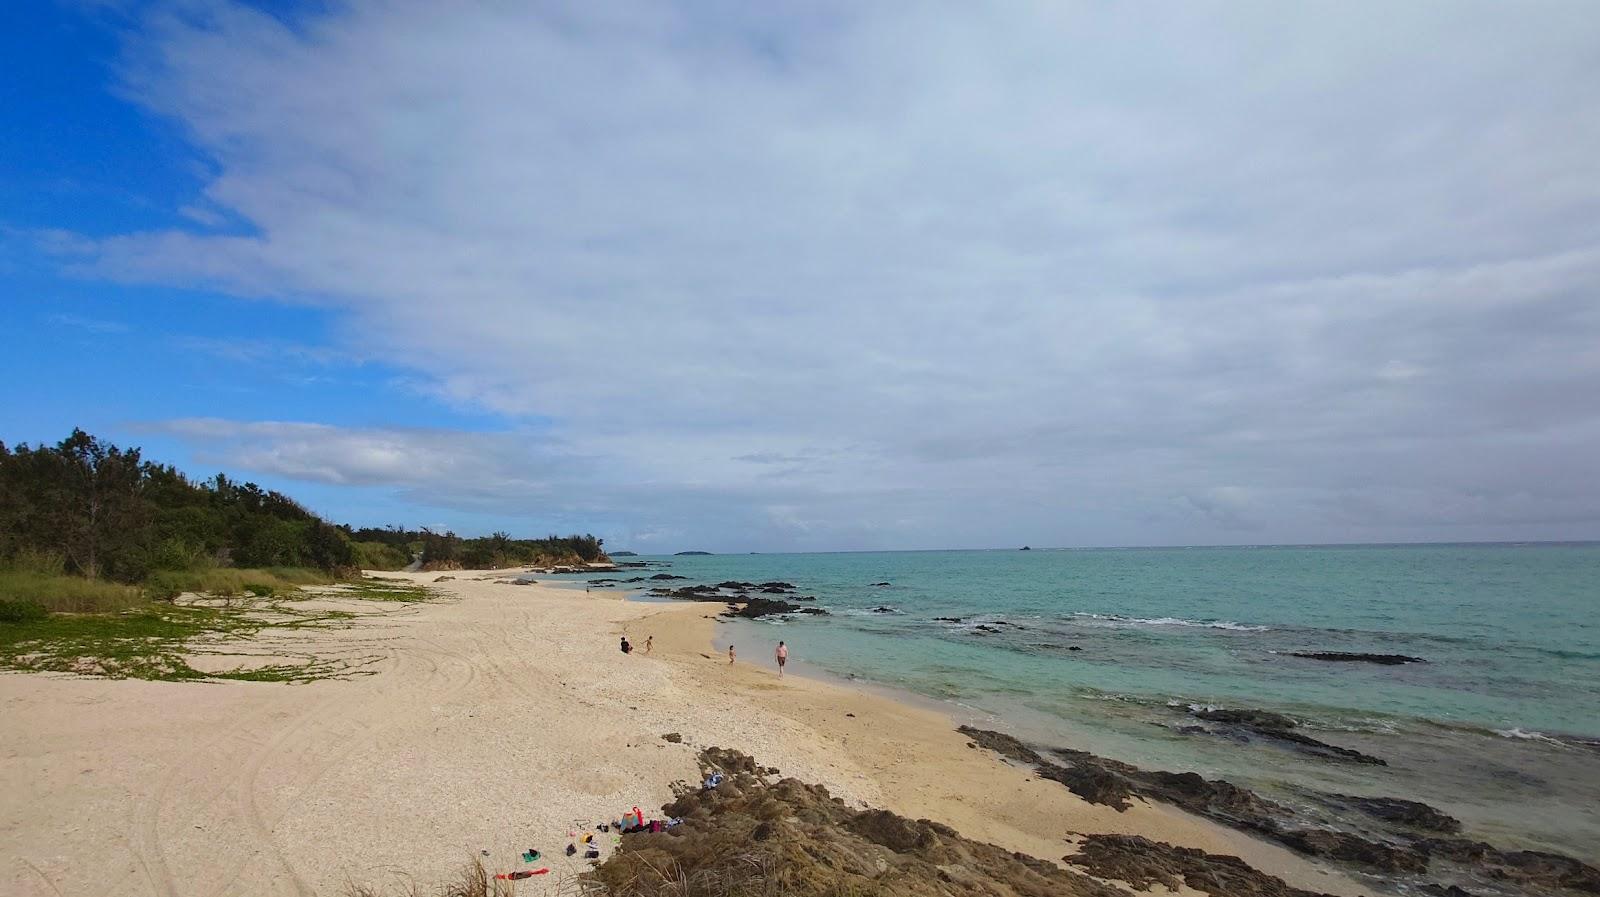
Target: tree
98,506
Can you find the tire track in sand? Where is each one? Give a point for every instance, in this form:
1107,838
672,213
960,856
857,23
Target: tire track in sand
350,722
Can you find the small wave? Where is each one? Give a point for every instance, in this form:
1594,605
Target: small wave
1120,620
1524,735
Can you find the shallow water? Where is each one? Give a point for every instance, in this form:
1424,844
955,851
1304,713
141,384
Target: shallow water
1500,726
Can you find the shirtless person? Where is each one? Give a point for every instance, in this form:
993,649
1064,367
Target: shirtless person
783,657
730,655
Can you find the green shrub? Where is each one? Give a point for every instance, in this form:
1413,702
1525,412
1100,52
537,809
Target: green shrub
178,554
379,556
21,610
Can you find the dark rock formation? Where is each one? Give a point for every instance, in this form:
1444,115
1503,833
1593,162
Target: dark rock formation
667,576
1143,863
1525,867
949,619
884,609
1396,849
734,585
688,593
1403,812
752,836
881,583
1280,728
672,737
1358,657
761,607
781,586
1255,719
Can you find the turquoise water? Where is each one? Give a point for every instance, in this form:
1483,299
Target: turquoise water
1501,725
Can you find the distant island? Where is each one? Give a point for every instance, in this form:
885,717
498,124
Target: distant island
682,553
623,554
1023,548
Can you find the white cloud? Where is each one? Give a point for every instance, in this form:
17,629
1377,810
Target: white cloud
92,325
916,275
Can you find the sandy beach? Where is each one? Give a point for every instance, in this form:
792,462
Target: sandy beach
495,719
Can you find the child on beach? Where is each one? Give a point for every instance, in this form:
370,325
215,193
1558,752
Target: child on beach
626,648
783,657
730,655
649,642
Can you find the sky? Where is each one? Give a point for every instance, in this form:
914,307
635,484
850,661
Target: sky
822,276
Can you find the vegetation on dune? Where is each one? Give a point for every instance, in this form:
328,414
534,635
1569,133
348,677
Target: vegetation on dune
97,544
380,589
377,555
83,519
106,513
158,640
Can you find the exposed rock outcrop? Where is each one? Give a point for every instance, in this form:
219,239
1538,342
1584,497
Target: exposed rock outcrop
752,836
1394,847
1143,863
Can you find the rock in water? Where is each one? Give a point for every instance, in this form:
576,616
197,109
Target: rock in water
1405,812
1358,657
1278,727
1399,851
761,607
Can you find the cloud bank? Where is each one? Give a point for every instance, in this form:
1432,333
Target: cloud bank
884,275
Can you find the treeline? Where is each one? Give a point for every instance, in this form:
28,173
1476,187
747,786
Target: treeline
441,551
106,512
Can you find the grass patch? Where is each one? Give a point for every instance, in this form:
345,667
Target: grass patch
57,592
233,581
154,641
385,589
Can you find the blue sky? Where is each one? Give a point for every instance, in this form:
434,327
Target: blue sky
822,276
80,159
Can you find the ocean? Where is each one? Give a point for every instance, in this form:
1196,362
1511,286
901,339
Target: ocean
1114,650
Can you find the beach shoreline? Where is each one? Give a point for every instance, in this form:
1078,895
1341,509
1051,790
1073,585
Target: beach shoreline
494,720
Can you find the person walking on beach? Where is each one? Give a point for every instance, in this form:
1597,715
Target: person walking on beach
649,642
730,655
783,657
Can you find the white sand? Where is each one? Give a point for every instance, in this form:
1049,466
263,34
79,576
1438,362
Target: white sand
492,722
